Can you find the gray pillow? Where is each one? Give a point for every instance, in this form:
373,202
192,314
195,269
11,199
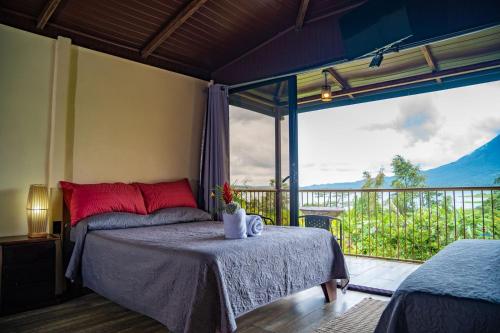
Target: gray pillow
179,214
119,220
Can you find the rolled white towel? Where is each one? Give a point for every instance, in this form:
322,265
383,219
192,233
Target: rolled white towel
254,225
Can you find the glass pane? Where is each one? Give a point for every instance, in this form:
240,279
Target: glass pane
258,119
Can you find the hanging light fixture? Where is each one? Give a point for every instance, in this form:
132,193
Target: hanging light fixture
326,89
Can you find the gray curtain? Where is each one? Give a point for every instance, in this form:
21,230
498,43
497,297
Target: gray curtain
214,168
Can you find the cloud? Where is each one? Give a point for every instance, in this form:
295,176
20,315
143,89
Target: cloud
418,119
239,116
491,124
252,147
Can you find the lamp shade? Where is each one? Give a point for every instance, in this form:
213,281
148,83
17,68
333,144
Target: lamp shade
326,93
37,211
326,90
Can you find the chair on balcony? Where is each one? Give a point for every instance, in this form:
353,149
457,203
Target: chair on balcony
322,222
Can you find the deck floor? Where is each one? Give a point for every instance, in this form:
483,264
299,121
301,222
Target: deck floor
378,273
304,311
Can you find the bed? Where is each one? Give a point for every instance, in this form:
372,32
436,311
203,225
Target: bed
457,290
176,267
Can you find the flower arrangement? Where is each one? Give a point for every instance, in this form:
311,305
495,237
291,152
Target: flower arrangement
233,216
227,198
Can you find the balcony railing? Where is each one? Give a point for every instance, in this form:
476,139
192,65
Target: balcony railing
404,224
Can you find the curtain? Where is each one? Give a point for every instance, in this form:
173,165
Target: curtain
214,168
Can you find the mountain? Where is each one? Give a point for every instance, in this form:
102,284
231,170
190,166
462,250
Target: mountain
479,168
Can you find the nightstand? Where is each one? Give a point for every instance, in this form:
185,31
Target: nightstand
27,273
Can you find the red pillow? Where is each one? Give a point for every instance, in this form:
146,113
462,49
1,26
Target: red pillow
167,195
67,189
92,199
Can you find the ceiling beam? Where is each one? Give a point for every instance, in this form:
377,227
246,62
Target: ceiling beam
338,79
299,22
408,80
171,26
341,82
46,14
431,62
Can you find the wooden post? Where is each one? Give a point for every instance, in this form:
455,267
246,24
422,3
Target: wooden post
330,290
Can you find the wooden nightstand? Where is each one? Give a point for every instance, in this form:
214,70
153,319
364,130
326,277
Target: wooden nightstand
27,273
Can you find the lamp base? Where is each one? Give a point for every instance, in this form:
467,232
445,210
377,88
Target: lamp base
37,235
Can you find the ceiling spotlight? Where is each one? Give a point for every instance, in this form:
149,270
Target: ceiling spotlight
326,89
377,60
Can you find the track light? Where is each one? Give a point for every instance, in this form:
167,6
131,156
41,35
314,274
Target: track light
377,60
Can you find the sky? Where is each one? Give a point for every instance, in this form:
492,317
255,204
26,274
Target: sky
338,144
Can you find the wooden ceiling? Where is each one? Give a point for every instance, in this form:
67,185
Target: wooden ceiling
193,37
437,63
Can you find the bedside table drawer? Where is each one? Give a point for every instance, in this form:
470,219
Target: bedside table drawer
20,275
28,253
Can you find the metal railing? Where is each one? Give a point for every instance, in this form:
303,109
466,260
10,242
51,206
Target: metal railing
404,224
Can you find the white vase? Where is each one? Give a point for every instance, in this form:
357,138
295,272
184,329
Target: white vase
235,225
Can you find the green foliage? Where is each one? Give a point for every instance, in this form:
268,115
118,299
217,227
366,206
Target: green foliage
406,174
400,224
376,182
232,207
413,224
221,206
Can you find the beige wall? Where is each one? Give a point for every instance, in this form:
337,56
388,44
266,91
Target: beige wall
134,122
25,94
106,118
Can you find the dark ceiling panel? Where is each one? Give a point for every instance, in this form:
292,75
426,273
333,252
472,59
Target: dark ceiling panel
219,34
318,8
120,22
29,7
224,29
216,33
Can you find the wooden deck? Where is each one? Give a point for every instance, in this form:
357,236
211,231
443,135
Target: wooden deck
306,310
378,273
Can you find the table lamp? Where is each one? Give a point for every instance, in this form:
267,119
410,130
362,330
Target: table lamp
37,211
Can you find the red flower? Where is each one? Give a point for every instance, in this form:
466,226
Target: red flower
227,193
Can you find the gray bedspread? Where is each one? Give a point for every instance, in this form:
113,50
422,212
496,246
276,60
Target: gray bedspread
457,290
191,279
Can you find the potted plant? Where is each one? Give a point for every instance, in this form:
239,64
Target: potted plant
233,216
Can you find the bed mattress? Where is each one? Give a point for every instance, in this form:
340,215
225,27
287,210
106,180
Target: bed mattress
188,277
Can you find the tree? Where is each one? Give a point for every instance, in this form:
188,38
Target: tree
406,174
380,178
368,181
376,182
